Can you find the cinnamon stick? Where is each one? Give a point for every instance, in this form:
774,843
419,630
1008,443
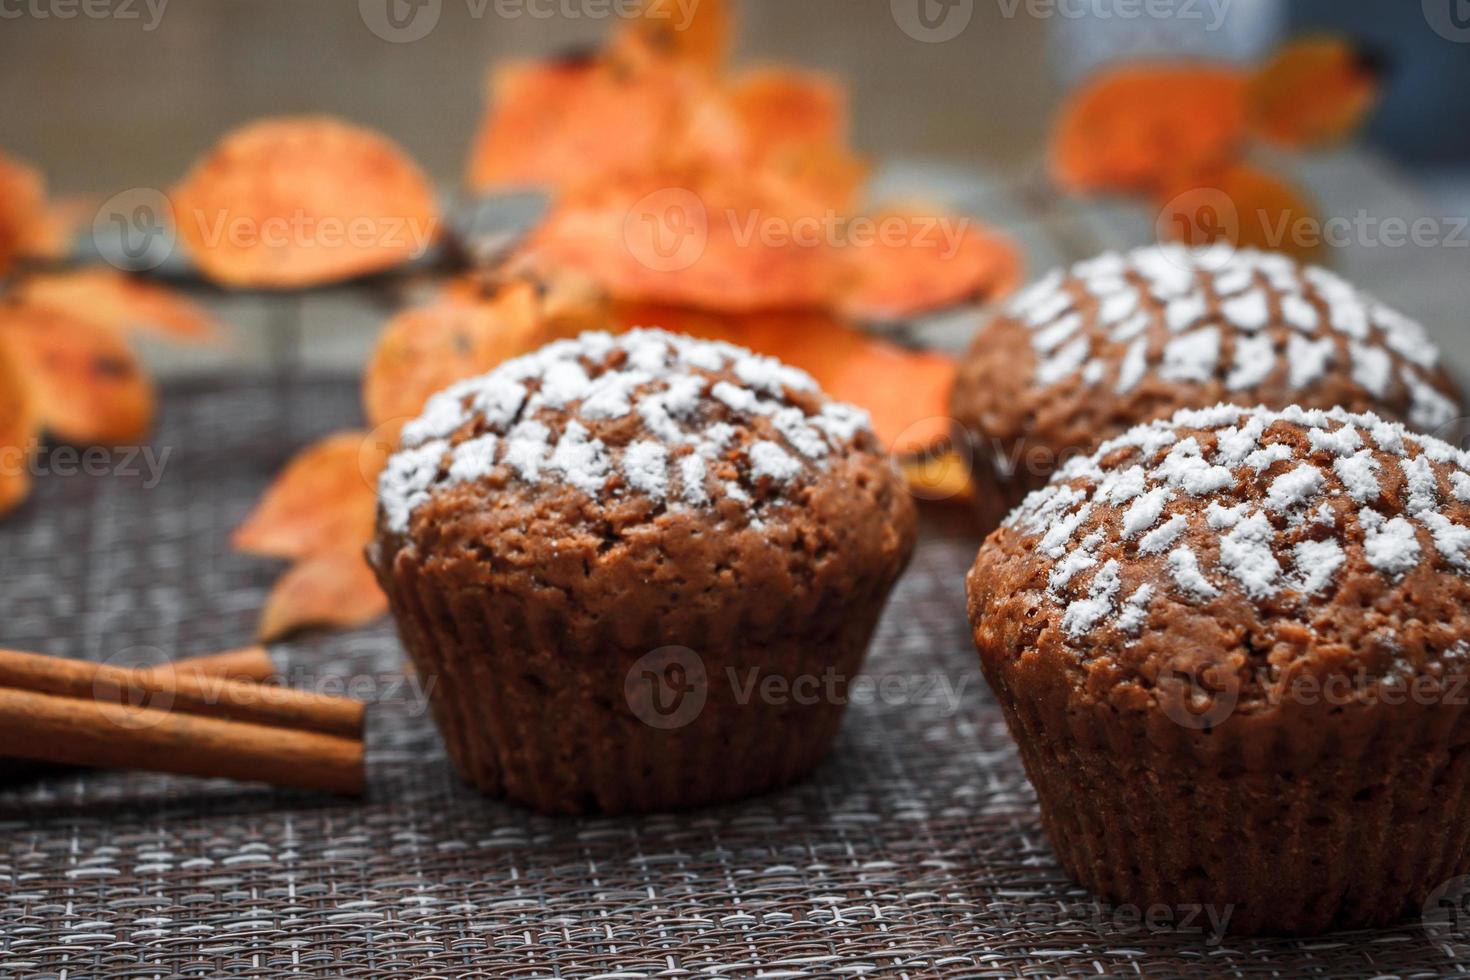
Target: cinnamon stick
183,692
87,732
247,664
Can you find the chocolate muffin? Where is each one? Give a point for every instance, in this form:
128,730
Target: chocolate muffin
601,553
1233,649
1083,355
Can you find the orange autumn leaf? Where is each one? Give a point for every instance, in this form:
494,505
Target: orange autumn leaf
560,123
762,112
300,201
125,304
325,500
335,589
906,392
695,34
29,226
463,333
914,262
18,431
1313,92
942,475
720,240
1245,206
828,177
87,385
782,106
1139,127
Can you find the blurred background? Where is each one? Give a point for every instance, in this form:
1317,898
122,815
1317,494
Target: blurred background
950,98
131,94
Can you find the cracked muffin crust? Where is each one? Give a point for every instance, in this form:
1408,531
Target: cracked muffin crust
544,528
1085,353
1234,650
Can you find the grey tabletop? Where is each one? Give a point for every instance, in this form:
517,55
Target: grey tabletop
916,850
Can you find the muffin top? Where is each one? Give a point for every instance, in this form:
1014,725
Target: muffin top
641,423
1265,542
1120,339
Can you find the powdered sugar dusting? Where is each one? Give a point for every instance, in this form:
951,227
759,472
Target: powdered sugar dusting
1247,500
528,419
1237,316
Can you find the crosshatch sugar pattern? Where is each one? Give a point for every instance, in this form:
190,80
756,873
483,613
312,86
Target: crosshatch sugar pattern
916,850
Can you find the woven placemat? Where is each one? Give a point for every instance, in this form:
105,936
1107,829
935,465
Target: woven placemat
914,851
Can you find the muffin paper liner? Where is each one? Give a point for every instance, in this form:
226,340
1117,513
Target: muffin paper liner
529,714
1294,822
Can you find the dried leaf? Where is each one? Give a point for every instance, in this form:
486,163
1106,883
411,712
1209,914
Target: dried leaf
906,392
1245,206
111,299
87,386
562,123
335,589
719,240
18,432
301,201
325,500
1314,92
693,34
1140,127
27,226
465,332
943,475
763,112
915,262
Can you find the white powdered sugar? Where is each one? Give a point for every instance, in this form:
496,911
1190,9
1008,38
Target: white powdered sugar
1082,615
1295,489
1238,316
1192,357
1185,567
770,461
1255,359
1135,610
533,418
1269,505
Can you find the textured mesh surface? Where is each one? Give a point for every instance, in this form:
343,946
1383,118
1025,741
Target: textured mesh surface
916,850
